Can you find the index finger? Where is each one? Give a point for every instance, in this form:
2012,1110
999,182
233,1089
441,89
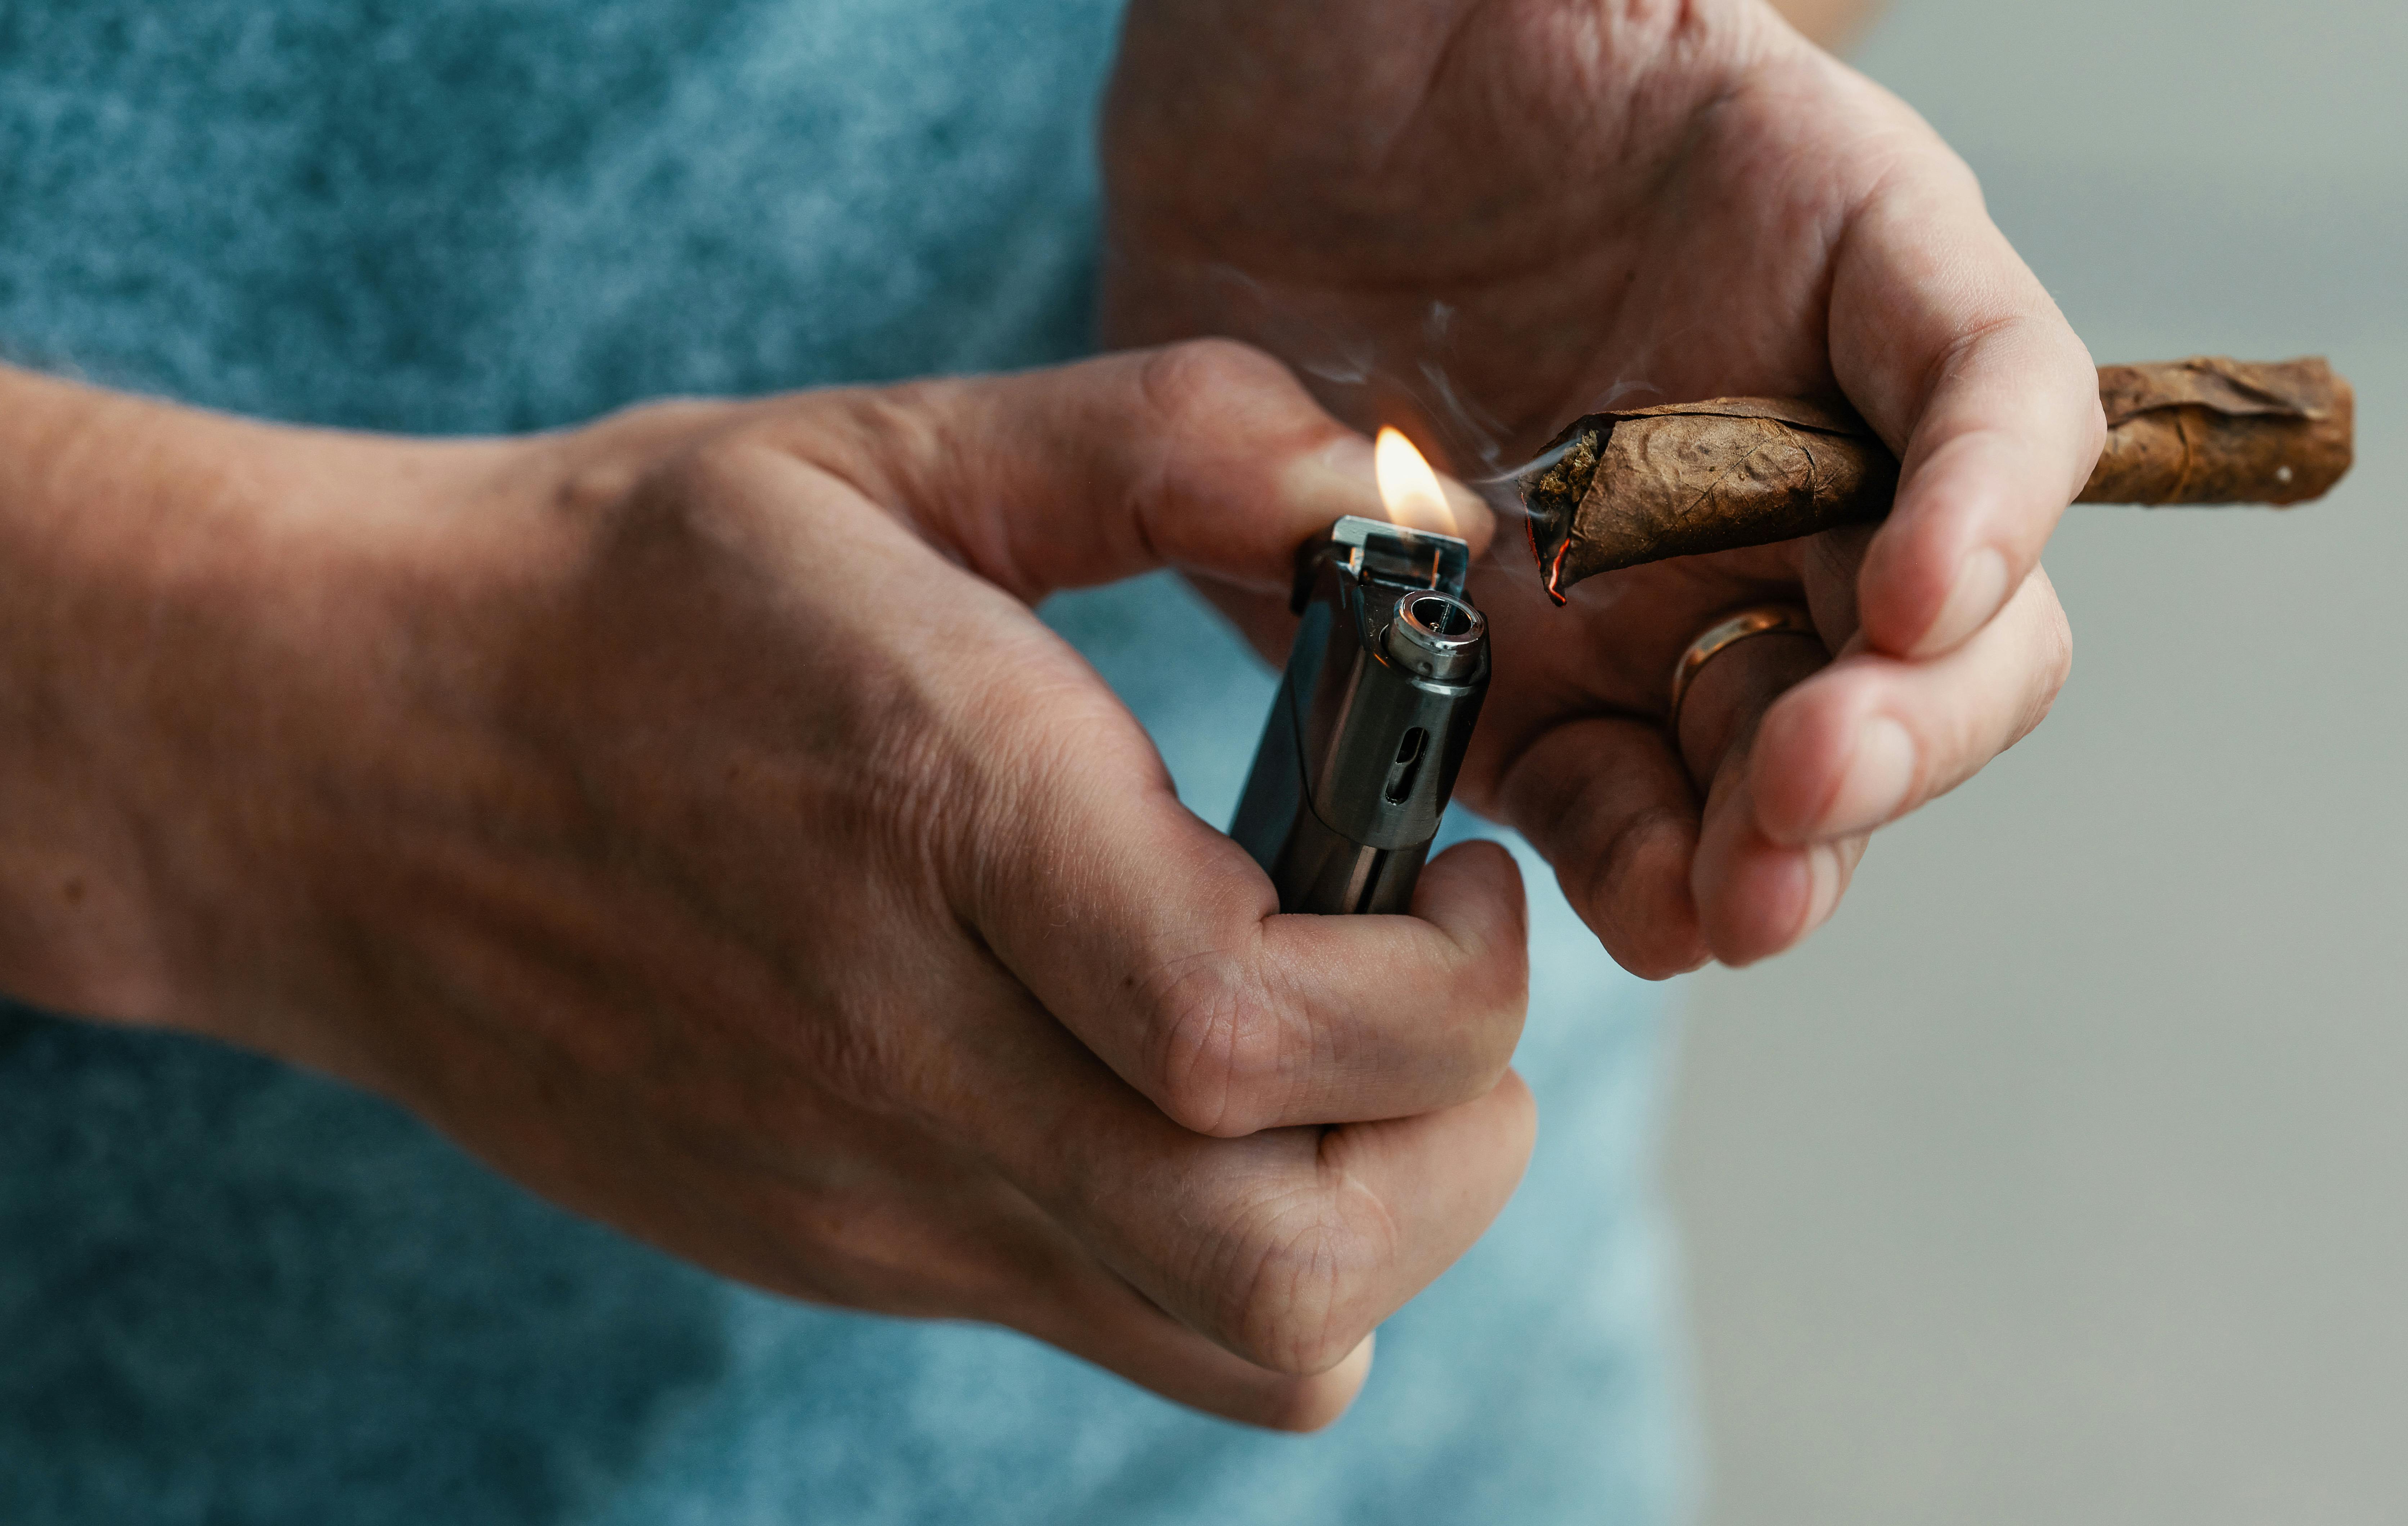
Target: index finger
1950,346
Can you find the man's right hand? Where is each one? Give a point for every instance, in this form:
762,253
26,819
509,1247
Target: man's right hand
689,815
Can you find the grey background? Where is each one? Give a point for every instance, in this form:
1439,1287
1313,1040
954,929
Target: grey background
2064,1177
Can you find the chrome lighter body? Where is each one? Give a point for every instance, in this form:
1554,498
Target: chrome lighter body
1371,718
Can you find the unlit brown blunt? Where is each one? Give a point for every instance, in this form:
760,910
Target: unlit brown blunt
1641,485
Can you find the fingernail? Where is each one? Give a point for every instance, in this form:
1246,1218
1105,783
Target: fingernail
1339,478
1980,587
1879,774
1334,479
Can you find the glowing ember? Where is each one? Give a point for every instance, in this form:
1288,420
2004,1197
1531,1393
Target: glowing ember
1407,486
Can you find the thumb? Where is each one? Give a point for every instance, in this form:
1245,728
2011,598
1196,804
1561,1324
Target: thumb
1208,456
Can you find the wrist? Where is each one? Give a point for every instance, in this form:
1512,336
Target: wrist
184,593
85,489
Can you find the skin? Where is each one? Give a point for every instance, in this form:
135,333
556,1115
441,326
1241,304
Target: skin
688,814
1828,23
1560,201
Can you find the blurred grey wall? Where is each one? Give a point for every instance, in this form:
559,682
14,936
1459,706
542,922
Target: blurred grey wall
2064,1177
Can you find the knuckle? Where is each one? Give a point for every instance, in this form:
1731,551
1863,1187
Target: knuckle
2077,381
1615,878
2058,634
2043,663
1501,971
716,468
1190,382
1304,1406
2055,667
1302,1293
1215,1056
907,419
2094,415
1493,999
698,498
893,443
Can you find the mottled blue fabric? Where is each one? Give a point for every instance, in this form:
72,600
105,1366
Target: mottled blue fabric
232,1293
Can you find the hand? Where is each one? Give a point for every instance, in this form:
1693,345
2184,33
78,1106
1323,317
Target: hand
689,814
1494,215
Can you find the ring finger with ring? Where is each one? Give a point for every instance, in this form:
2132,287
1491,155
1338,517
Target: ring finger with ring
1729,675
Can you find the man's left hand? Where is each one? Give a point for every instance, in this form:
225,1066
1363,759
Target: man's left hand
1550,203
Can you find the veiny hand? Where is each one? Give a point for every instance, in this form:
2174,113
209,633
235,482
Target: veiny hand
1557,201
689,815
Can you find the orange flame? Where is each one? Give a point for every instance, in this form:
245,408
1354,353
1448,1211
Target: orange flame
1408,485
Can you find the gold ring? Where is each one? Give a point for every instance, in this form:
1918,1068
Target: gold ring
1726,633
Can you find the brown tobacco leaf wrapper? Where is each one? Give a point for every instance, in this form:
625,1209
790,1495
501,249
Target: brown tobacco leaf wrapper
1641,485
1647,483
2210,430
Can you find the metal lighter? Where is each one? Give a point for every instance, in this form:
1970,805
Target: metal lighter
1369,724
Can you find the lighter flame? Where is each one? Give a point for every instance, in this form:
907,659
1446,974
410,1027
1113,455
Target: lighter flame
1407,486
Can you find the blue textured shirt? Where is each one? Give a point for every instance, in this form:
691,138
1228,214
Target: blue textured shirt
233,1293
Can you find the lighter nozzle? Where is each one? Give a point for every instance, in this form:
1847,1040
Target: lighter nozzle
1437,636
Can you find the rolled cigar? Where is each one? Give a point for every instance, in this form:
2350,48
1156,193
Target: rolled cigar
1640,484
